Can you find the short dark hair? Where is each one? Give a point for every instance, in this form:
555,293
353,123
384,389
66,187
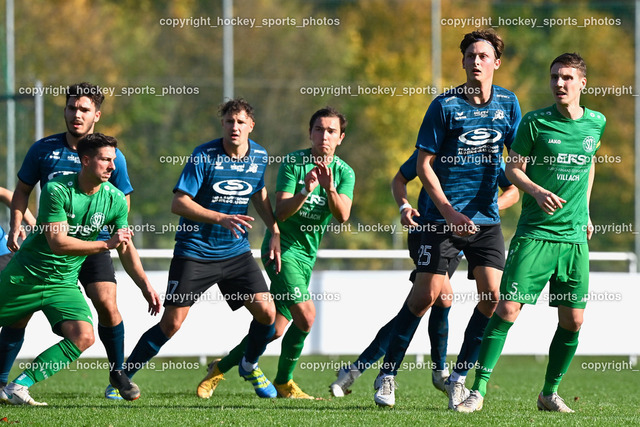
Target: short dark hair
573,60
90,144
235,106
92,92
487,35
329,112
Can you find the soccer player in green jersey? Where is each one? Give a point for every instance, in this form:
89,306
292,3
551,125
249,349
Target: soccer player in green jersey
552,161
43,274
314,185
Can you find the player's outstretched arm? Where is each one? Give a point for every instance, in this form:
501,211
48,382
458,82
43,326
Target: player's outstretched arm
339,204
133,266
184,206
262,204
63,244
19,203
460,223
516,171
399,192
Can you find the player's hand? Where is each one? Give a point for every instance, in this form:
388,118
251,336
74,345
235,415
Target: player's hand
324,175
153,299
460,224
589,229
235,223
406,217
122,236
311,180
548,201
13,239
274,253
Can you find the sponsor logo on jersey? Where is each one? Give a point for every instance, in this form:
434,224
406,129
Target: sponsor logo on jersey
218,165
55,155
460,115
573,159
237,167
314,199
589,144
482,113
554,141
233,187
480,136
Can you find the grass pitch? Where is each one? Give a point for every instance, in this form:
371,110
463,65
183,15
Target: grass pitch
602,390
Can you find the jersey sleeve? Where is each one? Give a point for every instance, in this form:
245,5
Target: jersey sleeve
121,213
432,131
347,181
503,181
525,137
29,172
516,117
53,198
286,178
408,168
120,176
192,176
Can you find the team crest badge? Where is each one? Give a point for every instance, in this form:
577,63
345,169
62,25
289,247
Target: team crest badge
589,144
97,220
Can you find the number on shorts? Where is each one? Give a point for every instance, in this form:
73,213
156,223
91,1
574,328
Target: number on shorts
172,286
424,252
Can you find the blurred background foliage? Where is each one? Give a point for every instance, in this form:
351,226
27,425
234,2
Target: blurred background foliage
361,44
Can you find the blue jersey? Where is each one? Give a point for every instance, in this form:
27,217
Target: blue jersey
219,183
468,141
408,171
3,243
51,156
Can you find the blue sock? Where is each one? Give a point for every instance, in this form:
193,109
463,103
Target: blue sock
377,348
148,346
113,340
259,336
472,340
405,326
439,335
11,340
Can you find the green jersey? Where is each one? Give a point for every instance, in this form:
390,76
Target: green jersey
63,201
560,154
301,233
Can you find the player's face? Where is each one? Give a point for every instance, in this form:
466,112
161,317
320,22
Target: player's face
236,128
566,84
102,164
80,115
479,62
325,136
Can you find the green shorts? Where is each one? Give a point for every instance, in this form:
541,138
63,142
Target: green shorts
291,285
21,298
532,263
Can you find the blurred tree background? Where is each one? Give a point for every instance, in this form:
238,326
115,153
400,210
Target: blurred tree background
348,50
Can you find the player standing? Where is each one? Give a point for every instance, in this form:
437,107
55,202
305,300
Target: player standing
50,157
212,197
461,142
314,185
551,161
412,219
43,275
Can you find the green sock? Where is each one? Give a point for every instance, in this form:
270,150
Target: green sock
492,344
292,344
563,347
234,357
49,362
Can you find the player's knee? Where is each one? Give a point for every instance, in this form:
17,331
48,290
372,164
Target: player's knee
170,326
571,324
305,323
84,339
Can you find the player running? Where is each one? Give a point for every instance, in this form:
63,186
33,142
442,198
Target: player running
461,142
212,197
438,329
551,161
57,155
43,274
313,187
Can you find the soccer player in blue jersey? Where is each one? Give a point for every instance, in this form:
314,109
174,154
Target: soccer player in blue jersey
5,254
50,157
212,197
412,219
461,142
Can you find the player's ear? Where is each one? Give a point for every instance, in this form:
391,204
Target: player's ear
96,118
497,63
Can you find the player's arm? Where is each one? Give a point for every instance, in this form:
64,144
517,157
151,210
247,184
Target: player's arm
19,207
592,175
509,197
63,244
399,192
462,224
516,171
288,203
184,206
133,266
261,202
339,204
6,196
